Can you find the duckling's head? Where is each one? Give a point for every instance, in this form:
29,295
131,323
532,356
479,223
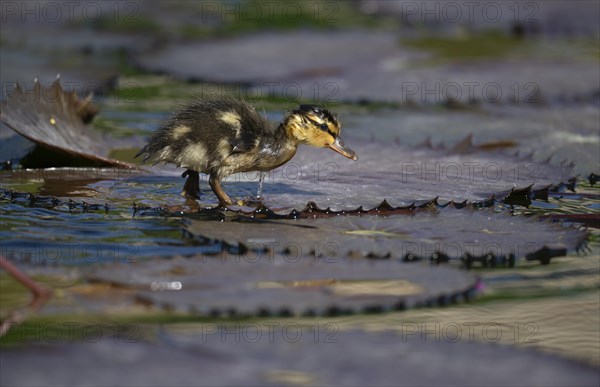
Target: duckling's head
318,127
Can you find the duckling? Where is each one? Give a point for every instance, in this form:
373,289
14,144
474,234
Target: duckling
220,137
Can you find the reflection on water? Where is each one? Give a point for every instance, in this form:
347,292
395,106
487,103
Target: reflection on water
70,236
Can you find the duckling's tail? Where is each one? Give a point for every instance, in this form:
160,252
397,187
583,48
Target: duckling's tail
144,151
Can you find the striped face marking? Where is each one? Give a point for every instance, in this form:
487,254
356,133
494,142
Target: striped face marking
322,125
321,119
318,127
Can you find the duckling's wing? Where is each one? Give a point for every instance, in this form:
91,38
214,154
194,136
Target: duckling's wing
252,127
238,145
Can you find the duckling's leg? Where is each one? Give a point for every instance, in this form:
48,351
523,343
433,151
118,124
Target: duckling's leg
191,188
215,184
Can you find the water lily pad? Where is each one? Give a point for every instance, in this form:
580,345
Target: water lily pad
401,174
272,284
567,133
272,353
446,234
56,120
377,69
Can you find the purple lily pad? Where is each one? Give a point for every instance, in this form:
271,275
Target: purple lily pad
272,284
377,69
276,353
56,120
400,174
449,233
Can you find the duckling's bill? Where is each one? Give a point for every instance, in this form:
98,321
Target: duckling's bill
340,147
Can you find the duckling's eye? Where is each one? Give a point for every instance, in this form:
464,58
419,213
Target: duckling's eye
324,127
